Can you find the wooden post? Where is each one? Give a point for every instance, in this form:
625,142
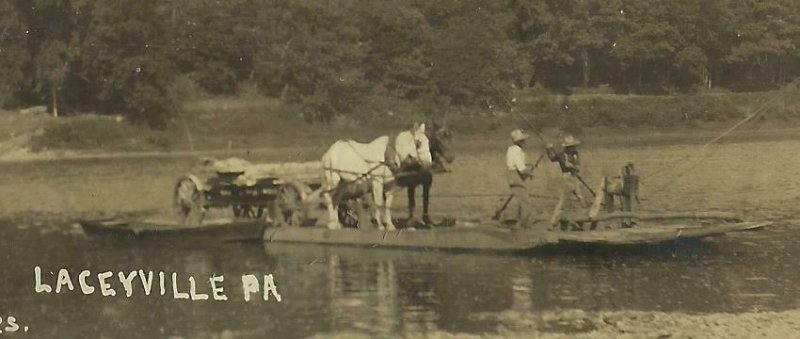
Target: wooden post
55,101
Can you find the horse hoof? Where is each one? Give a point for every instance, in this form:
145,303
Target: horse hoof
334,226
391,228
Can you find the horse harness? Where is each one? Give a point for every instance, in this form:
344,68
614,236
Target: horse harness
361,176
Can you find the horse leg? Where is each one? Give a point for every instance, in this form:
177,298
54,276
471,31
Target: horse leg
333,212
387,213
330,184
377,196
412,204
363,216
426,193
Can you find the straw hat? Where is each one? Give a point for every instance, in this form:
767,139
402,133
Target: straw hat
569,140
518,135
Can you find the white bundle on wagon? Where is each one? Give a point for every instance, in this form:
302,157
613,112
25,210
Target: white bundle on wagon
229,166
286,171
248,174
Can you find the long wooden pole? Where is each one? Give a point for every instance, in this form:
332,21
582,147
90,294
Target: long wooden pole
497,213
667,216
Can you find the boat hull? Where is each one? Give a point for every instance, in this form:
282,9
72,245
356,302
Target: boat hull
488,238
652,235
496,238
447,238
222,231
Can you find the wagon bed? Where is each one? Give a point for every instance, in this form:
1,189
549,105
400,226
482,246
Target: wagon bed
274,191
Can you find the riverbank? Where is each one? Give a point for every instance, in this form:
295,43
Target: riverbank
308,142
238,125
578,324
638,324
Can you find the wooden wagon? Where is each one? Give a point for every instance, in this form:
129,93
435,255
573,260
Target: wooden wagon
275,192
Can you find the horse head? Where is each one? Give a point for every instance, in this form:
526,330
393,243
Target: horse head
441,139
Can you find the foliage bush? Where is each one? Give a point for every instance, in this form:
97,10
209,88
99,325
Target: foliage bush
96,132
579,111
258,121
240,117
184,89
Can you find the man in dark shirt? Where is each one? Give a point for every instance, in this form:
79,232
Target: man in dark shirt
568,160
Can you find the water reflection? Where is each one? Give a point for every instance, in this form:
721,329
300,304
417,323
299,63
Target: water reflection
386,292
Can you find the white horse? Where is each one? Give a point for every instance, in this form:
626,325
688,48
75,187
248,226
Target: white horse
414,144
355,163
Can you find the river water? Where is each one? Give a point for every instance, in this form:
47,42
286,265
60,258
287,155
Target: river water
382,292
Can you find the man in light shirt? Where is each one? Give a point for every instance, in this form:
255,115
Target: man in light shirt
518,171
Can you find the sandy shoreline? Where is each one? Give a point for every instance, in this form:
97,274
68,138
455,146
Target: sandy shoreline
638,324
580,324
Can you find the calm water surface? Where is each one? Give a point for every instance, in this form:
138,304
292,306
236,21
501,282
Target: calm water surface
389,292
382,291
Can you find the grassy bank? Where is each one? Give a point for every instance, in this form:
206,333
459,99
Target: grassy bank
246,123
576,112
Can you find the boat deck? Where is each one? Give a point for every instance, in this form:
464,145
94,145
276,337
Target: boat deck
499,239
654,228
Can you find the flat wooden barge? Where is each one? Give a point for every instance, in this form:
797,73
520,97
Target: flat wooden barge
495,238
463,236
214,231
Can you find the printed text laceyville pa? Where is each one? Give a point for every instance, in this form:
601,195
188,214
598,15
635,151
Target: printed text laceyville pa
109,284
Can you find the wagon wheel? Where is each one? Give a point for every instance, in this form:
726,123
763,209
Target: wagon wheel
348,217
189,202
289,208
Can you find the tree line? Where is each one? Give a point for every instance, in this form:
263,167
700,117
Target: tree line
130,56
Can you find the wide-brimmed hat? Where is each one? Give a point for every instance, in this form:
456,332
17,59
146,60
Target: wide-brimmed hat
570,140
518,135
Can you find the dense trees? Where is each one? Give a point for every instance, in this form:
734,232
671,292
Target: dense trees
13,52
128,56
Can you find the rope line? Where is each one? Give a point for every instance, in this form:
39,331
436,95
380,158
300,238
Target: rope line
763,108
705,150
